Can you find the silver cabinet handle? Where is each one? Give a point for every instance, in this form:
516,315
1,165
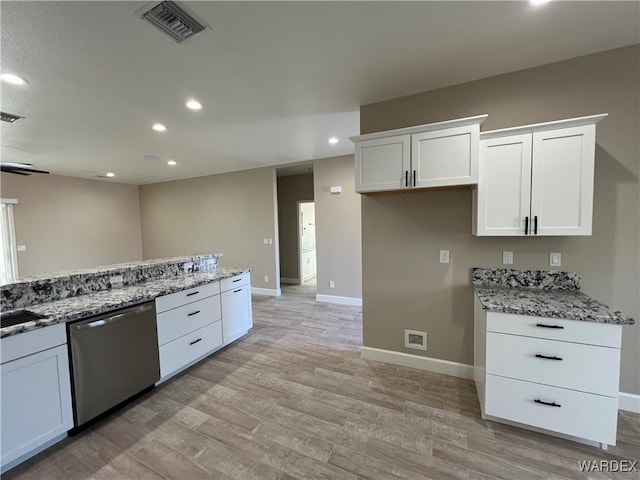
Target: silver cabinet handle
106,321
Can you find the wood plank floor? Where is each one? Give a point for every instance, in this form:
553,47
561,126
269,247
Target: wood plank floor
293,400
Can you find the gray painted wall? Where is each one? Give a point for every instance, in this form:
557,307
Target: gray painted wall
68,223
404,285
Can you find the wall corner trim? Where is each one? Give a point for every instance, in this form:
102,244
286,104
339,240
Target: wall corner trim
629,402
430,364
354,301
271,292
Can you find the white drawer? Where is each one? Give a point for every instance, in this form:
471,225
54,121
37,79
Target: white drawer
175,355
182,320
592,417
177,299
592,333
235,282
23,344
562,364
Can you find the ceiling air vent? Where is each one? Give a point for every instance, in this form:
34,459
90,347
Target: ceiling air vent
9,117
174,20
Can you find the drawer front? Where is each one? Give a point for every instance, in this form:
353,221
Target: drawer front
591,333
583,415
235,282
177,299
175,355
179,321
23,344
562,364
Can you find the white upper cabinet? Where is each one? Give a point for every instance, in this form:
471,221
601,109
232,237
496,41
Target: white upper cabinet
536,180
434,155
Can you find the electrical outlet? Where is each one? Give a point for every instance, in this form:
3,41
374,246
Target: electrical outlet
555,259
266,279
270,241
507,258
116,279
265,241
332,284
22,248
415,339
444,256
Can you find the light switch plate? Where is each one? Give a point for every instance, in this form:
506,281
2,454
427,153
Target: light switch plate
444,256
22,248
507,258
555,259
332,284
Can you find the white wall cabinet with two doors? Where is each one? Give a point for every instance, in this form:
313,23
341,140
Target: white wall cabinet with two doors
434,155
537,179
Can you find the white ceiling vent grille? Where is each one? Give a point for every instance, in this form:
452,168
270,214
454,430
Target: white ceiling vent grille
174,20
9,117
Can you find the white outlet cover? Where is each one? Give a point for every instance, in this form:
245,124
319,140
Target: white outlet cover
507,258
266,278
332,284
265,241
415,339
444,256
22,248
555,259
116,279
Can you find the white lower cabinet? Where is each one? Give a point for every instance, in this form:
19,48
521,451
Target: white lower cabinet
558,375
36,393
236,312
182,352
194,323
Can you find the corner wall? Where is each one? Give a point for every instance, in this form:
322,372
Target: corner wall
338,229
404,285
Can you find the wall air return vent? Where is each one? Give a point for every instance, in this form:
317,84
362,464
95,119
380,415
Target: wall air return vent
174,20
9,117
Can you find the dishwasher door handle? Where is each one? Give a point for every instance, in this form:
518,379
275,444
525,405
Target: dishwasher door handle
106,321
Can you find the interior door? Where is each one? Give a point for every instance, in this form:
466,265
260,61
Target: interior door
562,181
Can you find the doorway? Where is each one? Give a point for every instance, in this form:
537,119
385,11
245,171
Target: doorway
307,242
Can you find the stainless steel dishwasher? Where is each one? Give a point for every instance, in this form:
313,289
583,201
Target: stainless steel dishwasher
113,356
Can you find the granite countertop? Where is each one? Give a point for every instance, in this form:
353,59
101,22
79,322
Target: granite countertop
542,294
571,305
84,306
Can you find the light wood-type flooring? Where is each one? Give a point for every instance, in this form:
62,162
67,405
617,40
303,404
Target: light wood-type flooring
293,400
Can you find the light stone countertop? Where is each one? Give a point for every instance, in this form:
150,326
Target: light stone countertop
83,306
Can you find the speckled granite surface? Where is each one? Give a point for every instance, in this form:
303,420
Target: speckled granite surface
60,285
83,306
541,294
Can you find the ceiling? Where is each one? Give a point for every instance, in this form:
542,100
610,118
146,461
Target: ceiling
276,79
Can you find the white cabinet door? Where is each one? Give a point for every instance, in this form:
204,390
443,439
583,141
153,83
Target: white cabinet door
562,181
445,157
504,188
236,313
36,401
383,164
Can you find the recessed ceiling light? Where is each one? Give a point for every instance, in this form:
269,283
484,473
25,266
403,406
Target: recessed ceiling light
158,127
13,79
333,140
193,104
537,3
111,174
172,163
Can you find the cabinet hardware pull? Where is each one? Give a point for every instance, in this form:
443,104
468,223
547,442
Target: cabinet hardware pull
236,280
549,326
193,313
193,293
547,357
414,178
535,225
238,290
526,225
195,341
406,178
550,404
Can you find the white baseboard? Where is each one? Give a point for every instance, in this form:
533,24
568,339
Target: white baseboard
629,402
356,302
445,367
292,281
271,292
